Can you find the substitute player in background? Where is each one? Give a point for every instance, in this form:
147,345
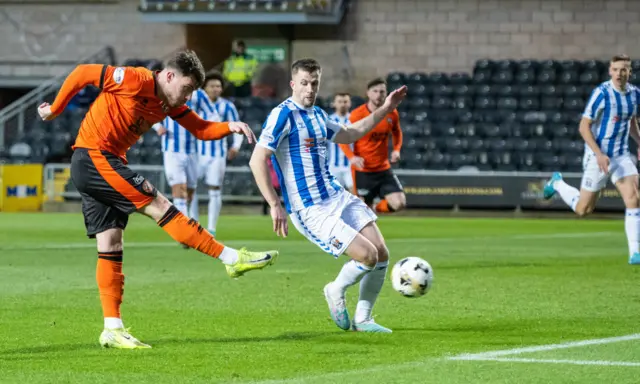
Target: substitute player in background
130,102
180,155
339,164
372,174
213,155
295,136
609,118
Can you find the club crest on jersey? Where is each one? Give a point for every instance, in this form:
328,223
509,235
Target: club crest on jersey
616,118
389,120
337,244
118,75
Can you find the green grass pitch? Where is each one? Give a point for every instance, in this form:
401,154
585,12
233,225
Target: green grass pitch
500,284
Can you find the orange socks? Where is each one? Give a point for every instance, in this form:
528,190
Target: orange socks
110,282
189,232
383,207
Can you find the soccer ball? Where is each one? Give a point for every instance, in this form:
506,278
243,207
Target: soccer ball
412,276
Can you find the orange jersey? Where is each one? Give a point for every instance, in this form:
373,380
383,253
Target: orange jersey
127,107
374,146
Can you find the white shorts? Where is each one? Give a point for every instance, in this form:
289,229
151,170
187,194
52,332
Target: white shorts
212,170
593,179
334,223
344,177
181,168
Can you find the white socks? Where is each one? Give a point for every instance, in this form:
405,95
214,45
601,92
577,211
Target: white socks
181,204
569,194
632,228
215,204
113,323
370,287
350,274
194,212
228,256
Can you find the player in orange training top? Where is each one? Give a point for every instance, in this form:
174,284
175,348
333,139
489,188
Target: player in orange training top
130,102
372,174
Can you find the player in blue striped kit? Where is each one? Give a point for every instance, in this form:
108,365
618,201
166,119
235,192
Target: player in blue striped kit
179,149
610,117
213,155
295,137
339,164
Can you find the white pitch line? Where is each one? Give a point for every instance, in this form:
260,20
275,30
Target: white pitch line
553,361
543,348
90,244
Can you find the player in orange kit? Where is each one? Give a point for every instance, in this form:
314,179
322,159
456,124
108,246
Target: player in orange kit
130,102
372,174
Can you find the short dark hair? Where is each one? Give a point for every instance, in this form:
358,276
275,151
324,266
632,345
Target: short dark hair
307,65
213,76
188,64
240,43
621,57
375,82
340,94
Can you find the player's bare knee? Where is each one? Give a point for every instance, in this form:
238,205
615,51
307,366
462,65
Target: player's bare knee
632,201
383,253
157,208
179,191
370,256
214,188
109,240
399,204
584,210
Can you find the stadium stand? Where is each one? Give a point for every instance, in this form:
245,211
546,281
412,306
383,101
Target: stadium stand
505,115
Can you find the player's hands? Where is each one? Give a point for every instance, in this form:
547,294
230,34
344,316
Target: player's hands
240,127
279,217
161,131
603,162
232,154
395,157
44,110
395,98
357,162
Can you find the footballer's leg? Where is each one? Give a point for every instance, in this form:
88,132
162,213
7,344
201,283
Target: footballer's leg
191,172
188,231
106,224
194,209
392,192
111,286
360,217
214,179
582,201
371,283
131,192
175,168
330,233
625,178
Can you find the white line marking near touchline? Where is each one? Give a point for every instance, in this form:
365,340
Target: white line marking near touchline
160,244
553,361
542,348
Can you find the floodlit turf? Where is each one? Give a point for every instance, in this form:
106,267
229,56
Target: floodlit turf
499,284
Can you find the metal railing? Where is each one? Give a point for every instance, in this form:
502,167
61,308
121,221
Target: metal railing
21,114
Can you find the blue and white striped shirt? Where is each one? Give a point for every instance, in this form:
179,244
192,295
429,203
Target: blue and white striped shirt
178,139
218,148
337,159
611,112
299,137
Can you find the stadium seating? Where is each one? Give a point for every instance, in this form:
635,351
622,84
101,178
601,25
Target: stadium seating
505,115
